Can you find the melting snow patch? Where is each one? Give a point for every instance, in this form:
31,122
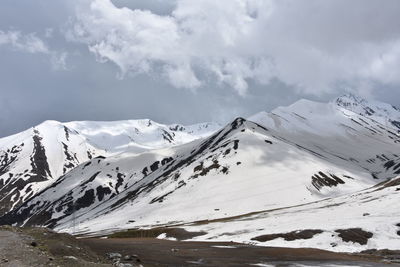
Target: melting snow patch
165,237
70,258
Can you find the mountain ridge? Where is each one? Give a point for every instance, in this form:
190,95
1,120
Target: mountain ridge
33,159
299,155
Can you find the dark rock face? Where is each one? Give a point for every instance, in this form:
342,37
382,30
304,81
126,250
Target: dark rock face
145,171
166,160
120,180
177,128
66,131
102,192
167,136
202,171
11,189
86,200
321,179
389,164
396,124
9,157
154,166
393,165
39,163
71,160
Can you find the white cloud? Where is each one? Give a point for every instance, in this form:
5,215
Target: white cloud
27,43
30,43
313,45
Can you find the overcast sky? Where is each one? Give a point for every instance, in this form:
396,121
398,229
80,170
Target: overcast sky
186,61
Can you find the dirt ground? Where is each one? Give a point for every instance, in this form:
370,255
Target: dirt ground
36,247
155,252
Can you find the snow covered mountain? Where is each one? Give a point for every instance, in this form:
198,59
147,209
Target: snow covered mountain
336,133
139,135
247,182
381,112
240,169
32,160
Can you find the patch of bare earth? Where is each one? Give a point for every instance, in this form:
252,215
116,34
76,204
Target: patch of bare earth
177,233
156,252
295,235
34,247
356,235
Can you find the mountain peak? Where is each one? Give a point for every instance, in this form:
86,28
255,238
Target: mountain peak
49,123
356,104
350,99
379,111
362,106
238,122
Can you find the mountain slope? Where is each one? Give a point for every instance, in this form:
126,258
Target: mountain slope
32,160
381,112
338,134
248,182
35,158
363,220
240,169
139,135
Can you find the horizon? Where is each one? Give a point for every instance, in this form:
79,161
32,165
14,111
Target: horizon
222,124
103,60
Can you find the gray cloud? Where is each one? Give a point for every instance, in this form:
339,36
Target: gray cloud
313,45
273,55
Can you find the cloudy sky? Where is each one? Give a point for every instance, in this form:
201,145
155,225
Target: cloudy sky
188,61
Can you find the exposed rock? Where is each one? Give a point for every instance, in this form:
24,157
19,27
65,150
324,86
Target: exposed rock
356,235
114,256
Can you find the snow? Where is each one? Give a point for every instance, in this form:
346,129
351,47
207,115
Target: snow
66,145
276,180
139,135
328,215
378,111
164,236
310,165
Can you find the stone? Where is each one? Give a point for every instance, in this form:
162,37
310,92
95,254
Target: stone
114,256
